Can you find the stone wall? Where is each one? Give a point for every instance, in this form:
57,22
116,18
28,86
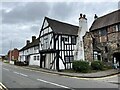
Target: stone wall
108,44
88,47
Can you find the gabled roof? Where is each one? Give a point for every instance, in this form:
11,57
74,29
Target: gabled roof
106,20
15,49
32,44
61,27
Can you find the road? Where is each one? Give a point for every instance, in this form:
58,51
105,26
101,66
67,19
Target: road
17,77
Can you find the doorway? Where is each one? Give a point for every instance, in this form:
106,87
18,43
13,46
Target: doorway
116,56
43,57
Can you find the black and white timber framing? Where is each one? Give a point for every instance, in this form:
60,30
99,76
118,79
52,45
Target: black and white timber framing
57,43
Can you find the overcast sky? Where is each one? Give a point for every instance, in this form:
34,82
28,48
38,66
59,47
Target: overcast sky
22,20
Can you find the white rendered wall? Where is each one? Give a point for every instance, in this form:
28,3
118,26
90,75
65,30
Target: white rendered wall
79,49
23,54
61,65
34,62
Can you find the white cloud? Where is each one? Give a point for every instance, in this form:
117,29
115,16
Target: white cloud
59,1
22,20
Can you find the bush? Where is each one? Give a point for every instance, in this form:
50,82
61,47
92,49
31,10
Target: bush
106,67
81,66
97,65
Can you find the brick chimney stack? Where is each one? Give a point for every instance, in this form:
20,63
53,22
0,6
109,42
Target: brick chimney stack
27,42
33,38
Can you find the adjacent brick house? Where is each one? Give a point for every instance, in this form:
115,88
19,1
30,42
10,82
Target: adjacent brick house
13,54
103,40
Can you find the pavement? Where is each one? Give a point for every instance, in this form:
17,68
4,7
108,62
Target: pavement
99,74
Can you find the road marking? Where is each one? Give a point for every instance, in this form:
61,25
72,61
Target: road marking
53,83
82,78
16,72
20,74
106,77
6,69
3,87
24,75
36,71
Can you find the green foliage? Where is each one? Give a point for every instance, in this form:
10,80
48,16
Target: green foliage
81,66
97,65
106,67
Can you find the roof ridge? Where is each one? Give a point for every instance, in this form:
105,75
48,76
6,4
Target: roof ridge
29,45
108,14
61,21
106,20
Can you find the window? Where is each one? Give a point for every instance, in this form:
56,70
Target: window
45,46
65,39
114,28
27,50
73,40
97,55
37,57
34,57
69,59
103,32
35,48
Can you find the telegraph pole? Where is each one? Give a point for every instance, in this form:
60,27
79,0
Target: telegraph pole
10,49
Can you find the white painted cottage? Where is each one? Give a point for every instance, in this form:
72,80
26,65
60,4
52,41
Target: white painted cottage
61,43
30,52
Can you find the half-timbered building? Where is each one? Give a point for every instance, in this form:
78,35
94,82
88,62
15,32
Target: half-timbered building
58,42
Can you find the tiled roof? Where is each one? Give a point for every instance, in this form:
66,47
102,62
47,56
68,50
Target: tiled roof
32,44
106,20
61,27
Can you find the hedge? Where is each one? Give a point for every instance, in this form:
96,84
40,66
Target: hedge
97,65
81,66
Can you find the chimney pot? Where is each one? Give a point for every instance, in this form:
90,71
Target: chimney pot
84,16
95,17
81,15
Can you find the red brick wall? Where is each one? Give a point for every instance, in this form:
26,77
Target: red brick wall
13,54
